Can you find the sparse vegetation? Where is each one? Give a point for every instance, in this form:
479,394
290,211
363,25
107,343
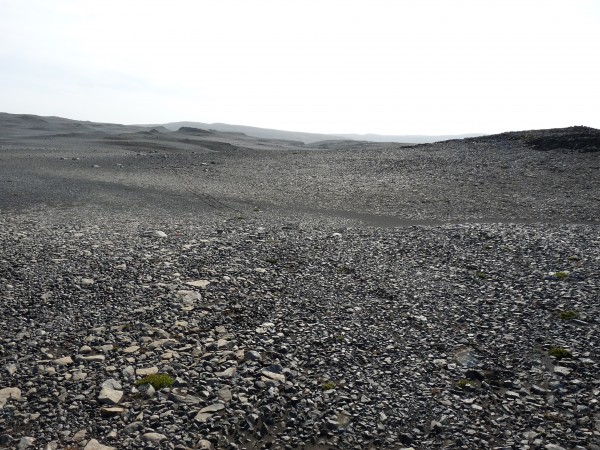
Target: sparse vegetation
465,383
481,275
272,260
561,275
157,380
559,353
345,269
567,315
328,385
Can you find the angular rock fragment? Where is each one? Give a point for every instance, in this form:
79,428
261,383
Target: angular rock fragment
110,396
9,393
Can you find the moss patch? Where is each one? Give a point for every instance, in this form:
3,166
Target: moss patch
567,315
157,380
559,352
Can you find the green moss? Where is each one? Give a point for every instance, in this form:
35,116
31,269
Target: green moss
481,275
559,352
464,383
157,380
567,315
574,258
345,269
561,275
328,385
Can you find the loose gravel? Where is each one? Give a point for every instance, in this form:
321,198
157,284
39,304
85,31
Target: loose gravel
214,291
296,335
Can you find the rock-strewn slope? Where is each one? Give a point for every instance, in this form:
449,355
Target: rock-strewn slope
297,336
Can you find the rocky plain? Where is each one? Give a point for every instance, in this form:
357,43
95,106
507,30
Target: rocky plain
207,290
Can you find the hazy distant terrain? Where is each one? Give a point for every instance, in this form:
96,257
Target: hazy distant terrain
56,161
309,138
336,294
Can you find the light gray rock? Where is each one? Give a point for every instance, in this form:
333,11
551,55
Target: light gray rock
227,373
274,376
225,394
561,370
91,358
110,396
79,376
153,437
202,417
146,371
9,393
25,442
204,444
63,361
131,349
213,408
112,383
93,444
109,411
198,283
80,435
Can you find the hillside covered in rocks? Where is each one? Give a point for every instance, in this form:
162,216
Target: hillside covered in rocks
208,290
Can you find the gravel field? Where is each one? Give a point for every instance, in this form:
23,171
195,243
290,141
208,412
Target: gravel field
380,297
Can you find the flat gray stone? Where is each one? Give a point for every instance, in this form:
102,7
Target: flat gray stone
110,396
112,383
109,411
91,358
213,408
274,376
227,373
198,283
153,437
93,444
202,417
147,371
13,393
225,394
63,361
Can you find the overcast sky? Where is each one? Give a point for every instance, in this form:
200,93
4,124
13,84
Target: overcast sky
380,66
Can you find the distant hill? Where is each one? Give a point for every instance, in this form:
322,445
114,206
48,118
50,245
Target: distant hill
408,139
31,125
309,138
264,133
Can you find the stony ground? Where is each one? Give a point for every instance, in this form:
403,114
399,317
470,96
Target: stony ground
291,336
278,318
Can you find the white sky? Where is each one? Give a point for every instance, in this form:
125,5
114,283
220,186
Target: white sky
380,66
